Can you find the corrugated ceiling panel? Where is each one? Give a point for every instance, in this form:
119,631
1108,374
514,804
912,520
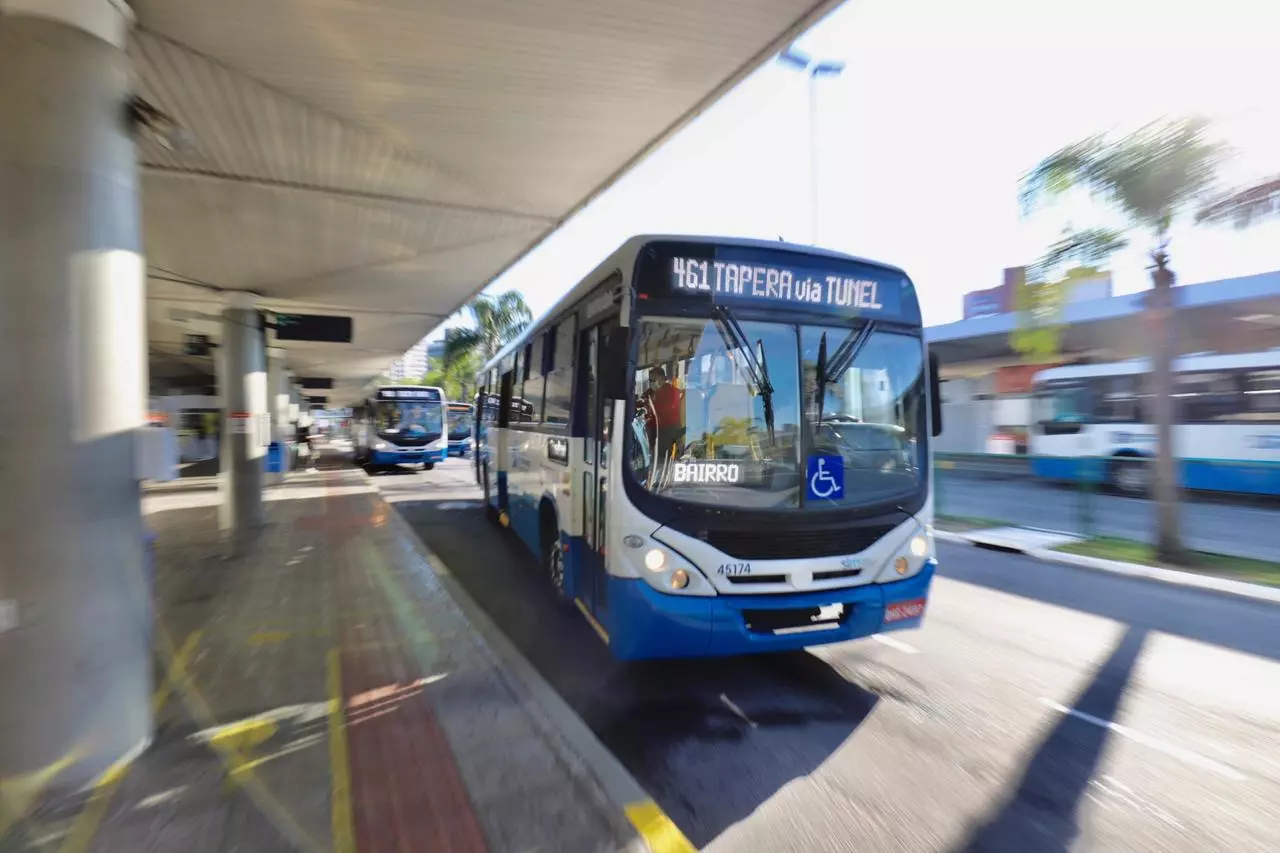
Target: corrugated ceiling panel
394,155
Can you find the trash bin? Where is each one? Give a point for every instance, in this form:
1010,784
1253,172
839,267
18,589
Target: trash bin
275,458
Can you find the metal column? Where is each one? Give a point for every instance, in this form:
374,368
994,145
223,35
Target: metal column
245,429
75,657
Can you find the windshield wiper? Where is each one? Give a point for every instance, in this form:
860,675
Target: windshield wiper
830,370
732,332
766,399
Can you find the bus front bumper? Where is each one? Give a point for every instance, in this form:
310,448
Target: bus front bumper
411,456
644,623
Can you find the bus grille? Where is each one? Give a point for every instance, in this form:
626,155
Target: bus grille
784,545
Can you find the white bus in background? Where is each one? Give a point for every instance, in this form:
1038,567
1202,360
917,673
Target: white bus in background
400,425
1091,422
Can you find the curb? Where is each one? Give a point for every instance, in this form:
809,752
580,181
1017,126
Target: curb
1205,583
653,831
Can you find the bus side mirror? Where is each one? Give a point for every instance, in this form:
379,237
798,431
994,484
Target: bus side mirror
935,394
613,364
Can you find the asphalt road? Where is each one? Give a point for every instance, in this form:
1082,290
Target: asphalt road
1215,525
1041,708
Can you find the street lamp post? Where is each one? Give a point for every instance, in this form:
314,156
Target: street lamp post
812,69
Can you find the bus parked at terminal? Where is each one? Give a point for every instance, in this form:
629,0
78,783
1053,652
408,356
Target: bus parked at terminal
400,425
722,447
461,427
1091,423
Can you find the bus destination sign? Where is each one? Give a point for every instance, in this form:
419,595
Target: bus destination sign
430,394
801,286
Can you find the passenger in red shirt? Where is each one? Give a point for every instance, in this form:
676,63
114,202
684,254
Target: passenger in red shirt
664,410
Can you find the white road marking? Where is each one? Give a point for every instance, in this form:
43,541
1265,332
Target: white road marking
1146,740
895,644
735,709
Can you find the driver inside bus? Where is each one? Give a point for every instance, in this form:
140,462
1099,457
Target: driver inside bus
664,412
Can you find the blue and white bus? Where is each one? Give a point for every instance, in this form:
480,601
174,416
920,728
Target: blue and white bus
461,428
400,425
724,449
1091,423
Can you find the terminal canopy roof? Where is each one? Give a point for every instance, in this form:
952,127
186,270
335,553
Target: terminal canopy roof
386,160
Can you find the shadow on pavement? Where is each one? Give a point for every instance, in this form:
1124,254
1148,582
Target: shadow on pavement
1234,623
710,740
1043,813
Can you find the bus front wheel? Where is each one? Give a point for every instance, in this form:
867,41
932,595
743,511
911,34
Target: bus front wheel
1131,476
427,466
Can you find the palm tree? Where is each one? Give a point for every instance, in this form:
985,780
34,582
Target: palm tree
1150,176
497,320
1243,207
455,377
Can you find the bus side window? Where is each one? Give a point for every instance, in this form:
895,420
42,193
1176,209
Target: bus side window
504,400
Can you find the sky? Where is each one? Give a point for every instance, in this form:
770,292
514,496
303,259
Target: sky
921,141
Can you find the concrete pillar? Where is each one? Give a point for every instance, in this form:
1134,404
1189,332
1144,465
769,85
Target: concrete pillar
75,620
244,431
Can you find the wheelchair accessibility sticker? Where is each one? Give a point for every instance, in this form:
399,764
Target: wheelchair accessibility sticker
825,478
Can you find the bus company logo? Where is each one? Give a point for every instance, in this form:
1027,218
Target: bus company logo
1132,438
902,610
706,472
851,563
1265,442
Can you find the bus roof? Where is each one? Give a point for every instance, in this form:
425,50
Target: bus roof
1186,363
624,257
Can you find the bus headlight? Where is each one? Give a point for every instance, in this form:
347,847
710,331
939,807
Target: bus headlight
919,546
655,559
380,445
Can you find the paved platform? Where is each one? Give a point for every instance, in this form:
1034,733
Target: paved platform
321,690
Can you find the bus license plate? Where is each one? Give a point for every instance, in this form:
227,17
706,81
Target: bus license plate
902,610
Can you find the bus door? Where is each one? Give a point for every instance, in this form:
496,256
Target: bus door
496,455
597,417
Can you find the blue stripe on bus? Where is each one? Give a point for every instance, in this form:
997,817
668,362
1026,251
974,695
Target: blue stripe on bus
1206,475
573,565
523,512
1056,467
1258,478
645,623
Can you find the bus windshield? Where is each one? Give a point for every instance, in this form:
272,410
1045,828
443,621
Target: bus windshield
871,411
717,415
405,419
460,422
723,417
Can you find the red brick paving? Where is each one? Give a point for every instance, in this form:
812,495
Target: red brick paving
407,791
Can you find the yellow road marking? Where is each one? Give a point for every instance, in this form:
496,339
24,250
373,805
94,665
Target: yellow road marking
243,736
604,635
19,793
340,770
656,829
86,823
264,638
